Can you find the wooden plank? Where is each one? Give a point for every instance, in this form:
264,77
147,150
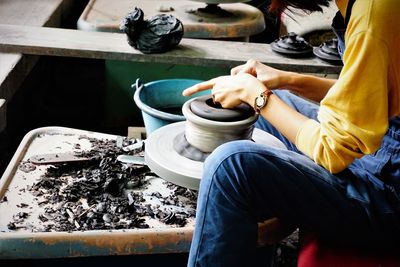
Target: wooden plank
7,63
2,114
104,45
14,67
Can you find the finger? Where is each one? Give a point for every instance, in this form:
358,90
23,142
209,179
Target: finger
225,101
216,98
199,87
221,96
251,66
237,69
246,68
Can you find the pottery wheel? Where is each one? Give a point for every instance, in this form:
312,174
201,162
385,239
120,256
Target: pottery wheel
162,159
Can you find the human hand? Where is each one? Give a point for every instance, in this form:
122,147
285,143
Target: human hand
270,77
230,91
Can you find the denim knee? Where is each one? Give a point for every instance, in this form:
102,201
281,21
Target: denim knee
234,163
224,151
222,155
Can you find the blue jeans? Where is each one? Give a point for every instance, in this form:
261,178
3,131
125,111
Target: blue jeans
244,183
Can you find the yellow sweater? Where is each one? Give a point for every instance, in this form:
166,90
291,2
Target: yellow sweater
353,116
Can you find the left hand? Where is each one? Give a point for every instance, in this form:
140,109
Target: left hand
270,77
231,91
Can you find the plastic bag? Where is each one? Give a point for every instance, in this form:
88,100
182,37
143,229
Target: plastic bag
156,35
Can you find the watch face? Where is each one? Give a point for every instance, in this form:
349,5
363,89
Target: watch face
260,101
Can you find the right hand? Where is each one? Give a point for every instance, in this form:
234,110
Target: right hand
270,77
230,90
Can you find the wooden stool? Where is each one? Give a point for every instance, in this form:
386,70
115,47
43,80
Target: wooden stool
314,254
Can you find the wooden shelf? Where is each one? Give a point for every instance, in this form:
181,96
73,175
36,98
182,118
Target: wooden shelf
14,67
114,46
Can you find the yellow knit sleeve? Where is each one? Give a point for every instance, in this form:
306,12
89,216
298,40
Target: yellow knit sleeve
353,117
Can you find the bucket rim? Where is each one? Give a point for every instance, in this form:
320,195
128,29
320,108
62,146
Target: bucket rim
171,80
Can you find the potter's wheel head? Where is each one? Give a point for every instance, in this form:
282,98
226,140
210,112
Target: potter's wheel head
163,160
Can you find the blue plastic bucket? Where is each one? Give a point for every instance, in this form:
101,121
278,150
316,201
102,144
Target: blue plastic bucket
161,101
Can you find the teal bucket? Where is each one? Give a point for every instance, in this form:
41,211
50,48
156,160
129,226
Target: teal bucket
161,101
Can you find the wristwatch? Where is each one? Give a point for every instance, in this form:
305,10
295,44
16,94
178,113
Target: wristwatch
261,100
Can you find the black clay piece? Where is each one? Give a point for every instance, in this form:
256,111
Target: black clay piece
183,148
292,45
133,23
328,51
205,108
156,35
